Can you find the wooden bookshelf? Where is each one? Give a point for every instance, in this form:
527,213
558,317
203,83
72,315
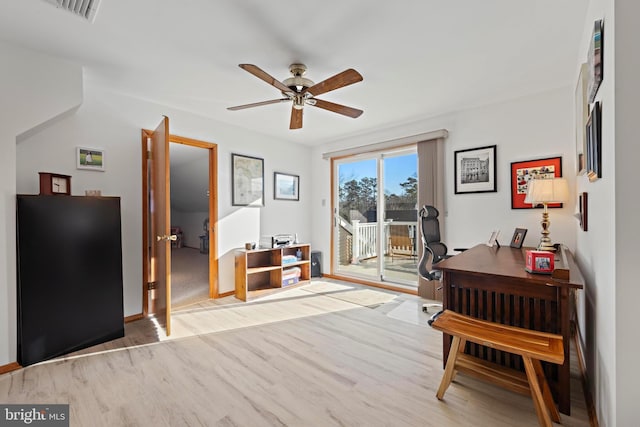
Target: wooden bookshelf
259,272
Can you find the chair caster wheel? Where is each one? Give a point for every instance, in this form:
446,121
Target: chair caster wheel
426,307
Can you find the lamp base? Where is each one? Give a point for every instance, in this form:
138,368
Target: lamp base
546,246
545,242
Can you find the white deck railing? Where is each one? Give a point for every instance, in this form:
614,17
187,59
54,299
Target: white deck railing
365,238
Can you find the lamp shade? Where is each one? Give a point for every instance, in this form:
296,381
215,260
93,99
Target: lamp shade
553,190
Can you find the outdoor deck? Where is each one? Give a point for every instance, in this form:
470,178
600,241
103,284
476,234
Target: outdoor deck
403,269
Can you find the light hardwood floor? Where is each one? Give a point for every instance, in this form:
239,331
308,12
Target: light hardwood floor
326,354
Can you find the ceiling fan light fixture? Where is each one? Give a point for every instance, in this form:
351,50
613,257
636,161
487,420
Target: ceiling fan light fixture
298,82
298,102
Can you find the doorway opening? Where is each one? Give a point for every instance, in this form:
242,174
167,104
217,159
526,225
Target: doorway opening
189,183
192,197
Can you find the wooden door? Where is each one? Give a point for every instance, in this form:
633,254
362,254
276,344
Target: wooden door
161,223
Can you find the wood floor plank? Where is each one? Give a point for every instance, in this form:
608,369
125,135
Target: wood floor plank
300,358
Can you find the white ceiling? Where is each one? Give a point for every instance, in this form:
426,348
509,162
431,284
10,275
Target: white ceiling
419,58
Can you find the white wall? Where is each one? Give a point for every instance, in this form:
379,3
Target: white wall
627,151
534,127
35,88
596,248
609,251
113,122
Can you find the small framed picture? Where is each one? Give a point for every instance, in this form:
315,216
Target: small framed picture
493,239
475,170
286,186
90,158
583,206
518,238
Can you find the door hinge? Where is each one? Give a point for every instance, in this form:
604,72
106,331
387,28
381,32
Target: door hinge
151,286
149,155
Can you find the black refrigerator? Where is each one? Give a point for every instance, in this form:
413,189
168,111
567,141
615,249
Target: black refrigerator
69,274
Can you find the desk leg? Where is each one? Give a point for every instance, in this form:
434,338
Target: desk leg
564,374
446,305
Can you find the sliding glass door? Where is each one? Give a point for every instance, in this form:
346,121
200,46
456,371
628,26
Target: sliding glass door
375,217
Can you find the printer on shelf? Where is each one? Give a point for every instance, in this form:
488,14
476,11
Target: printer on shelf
276,241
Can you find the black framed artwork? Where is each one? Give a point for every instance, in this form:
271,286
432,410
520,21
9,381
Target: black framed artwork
475,170
583,213
594,143
286,186
247,180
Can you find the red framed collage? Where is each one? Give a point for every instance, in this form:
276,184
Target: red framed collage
523,172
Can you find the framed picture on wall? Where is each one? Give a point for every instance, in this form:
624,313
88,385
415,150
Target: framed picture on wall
523,172
90,158
475,170
595,60
247,180
583,210
594,143
286,186
582,114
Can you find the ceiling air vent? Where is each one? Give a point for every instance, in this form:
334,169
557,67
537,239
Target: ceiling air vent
86,9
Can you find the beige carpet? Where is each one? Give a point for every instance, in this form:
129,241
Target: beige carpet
189,276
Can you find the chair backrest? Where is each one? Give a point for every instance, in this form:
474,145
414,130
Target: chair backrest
430,231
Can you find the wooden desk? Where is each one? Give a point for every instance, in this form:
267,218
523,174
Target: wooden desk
492,284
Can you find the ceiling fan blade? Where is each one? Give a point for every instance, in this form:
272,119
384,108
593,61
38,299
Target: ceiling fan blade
345,78
257,104
263,75
337,108
296,118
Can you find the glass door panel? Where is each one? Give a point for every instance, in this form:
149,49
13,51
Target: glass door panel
356,245
400,181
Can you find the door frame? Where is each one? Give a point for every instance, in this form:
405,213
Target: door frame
213,215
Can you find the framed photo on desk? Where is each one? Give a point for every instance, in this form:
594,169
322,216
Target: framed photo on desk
518,238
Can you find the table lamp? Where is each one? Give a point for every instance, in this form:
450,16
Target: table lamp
545,191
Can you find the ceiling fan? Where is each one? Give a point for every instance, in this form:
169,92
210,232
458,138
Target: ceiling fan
303,91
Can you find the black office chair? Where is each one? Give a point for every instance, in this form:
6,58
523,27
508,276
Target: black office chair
434,250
